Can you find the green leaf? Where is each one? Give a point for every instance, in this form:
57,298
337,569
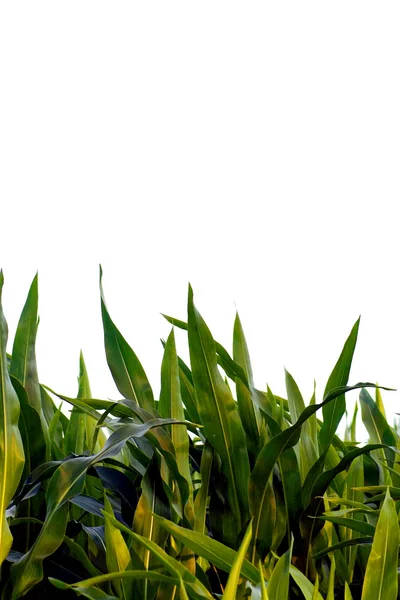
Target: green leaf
278,586
247,404
220,418
355,477
231,368
234,575
331,580
127,371
259,478
153,500
66,482
316,588
81,427
117,555
320,485
175,568
264,592
381,578
341,545
353,524
291,483
334,412
30,427
87,587
347,592
307,451
170,406
200,503
23,362
11,446
216,553
304,584
379,433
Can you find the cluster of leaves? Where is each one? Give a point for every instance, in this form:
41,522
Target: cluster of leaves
203,493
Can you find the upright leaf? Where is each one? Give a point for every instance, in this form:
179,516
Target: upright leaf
127,371
219,417
23,361
248,409
81,427
234,575
278,586
307,450
381,577
117,555
379,433
334,411
11,447
170,406
269,455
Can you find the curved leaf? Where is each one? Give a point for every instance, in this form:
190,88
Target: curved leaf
11,447
127,371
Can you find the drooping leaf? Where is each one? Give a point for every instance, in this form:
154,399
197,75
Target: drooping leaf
269,455
216,553
67,482
175,568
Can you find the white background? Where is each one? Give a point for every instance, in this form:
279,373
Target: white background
251,148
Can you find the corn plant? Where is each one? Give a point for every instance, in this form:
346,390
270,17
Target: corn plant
216,489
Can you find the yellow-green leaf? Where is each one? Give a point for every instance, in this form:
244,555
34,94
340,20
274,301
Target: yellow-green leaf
11,448
381,577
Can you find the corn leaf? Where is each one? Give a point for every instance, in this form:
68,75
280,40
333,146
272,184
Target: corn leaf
67,482
247,405
170,406
269,455
304,584
23,361
127,371
193,584
216,553
278,586
334,411
219,417
117,555
11,446
381,577
235,572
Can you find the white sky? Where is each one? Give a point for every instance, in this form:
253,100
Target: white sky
251,148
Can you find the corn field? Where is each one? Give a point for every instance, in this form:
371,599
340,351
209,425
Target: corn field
214,490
